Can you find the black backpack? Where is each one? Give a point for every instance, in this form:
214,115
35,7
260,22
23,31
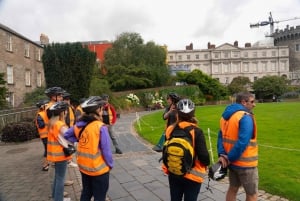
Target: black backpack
178,151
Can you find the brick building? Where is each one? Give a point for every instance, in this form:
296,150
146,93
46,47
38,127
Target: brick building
21,63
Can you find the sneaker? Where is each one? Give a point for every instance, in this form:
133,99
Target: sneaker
68,183
157,148
72,164
118,151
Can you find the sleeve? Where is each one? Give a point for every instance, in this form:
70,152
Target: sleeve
40,122
104,146
114,114
201,148
221,150
70,135
245,133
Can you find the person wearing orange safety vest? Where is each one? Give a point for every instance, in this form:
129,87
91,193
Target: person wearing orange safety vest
55,147
70,116
94,156
237,146
41,122
188,185
78,110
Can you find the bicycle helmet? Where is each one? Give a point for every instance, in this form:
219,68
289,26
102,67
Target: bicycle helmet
217,172
185,106
41,103
66,95
54,91
57,108
91,104
105,96
174,97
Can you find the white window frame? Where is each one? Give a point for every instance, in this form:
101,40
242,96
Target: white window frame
10,74
39,79
9,43
38,54
273,66
27,78
26,50
297,47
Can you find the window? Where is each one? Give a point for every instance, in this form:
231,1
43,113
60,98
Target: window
264,66
226,67
197,56
216,55
254,54
255,66
39,79
255,78
245,54
27,78
236,54
226,80
188,57
26,50
273,66
10,98
235,67
217,67
283,52
10,74
246,67
226,54
297,47
9,43
264,54
273,53
179,57
38,54
205,56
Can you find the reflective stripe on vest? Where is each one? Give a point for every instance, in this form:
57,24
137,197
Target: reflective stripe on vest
198,172
55,151
43,132
230,128
89,158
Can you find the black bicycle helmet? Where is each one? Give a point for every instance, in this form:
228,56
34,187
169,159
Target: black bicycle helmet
174,97
41,103
217,172
57,108
54,91
66,95
105,96
91,104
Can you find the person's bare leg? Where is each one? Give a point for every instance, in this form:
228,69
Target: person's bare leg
251,197
231,193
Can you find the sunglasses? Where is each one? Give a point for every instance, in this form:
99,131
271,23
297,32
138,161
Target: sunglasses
251,101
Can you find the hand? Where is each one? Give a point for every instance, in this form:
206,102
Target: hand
223,159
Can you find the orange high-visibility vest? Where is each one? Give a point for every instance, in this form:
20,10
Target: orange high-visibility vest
43,132
89,158
198,172
230,135
55,151
71,116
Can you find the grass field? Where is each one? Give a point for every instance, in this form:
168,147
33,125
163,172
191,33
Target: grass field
278,138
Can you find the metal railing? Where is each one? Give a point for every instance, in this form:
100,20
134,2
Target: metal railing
16,115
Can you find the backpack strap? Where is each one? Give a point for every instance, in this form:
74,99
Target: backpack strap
80,132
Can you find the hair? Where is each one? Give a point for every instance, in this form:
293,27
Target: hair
243,96
55,118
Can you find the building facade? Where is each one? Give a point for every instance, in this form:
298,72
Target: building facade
227,61
21,64
290,37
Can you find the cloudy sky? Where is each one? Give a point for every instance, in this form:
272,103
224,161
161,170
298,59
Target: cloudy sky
175,23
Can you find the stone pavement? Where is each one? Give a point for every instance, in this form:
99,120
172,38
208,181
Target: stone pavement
136,176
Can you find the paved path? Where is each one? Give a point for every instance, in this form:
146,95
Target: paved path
136,176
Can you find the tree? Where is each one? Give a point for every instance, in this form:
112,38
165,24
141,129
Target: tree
239,84
210,87
141,65
3,90
268,86
69,66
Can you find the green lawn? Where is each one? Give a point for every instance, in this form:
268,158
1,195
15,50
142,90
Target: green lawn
278,138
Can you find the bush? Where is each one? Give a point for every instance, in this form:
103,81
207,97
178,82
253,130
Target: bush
19,132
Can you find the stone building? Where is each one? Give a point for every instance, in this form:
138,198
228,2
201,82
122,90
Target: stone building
290,37
227,61
21,63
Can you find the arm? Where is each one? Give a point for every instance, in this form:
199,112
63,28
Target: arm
200,147
114,114
40,121
70,135
61,138
104,146
245,134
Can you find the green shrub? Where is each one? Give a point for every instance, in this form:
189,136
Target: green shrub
19,132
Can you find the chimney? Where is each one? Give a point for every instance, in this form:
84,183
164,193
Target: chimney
208,45
247,44
236,43
44,39
189,47
212,46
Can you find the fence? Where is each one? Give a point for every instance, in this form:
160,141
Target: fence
16,115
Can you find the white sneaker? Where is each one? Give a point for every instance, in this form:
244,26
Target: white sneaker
72,164
68,183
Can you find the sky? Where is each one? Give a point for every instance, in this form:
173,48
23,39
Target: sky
174,23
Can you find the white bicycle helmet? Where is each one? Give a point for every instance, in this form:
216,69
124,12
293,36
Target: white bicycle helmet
185,106
217,172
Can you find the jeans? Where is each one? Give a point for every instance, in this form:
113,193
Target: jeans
59,179
96,186
180,186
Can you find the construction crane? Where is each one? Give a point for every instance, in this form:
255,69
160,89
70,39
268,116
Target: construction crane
271,22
